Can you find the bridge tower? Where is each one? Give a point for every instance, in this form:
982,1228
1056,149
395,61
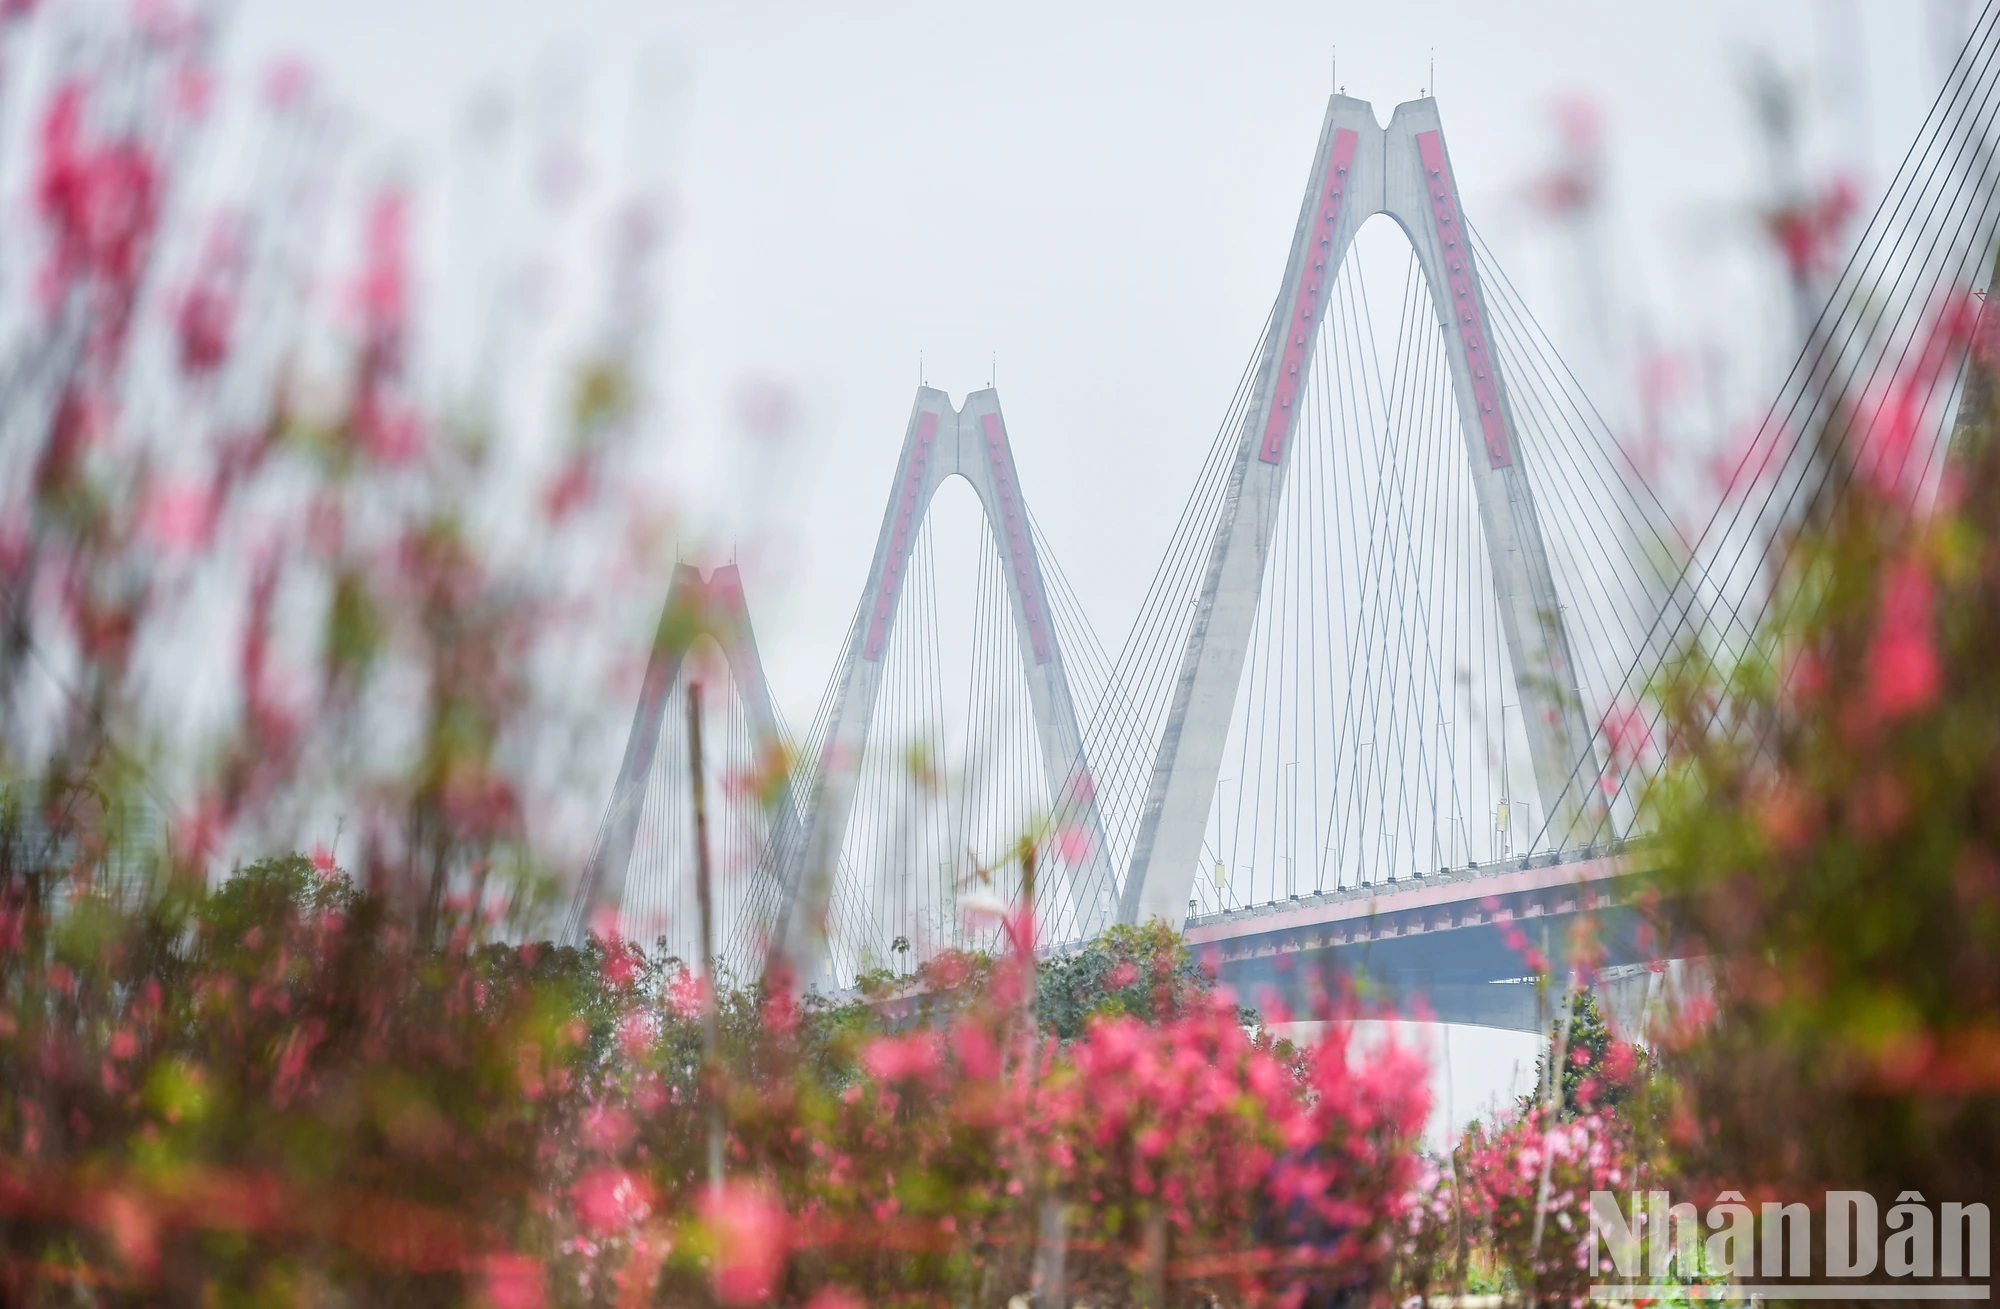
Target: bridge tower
1359,170
696,607
940,442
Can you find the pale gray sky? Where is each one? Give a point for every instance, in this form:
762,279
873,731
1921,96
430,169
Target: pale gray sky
1100,196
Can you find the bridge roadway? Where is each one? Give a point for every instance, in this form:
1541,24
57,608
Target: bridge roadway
1447,941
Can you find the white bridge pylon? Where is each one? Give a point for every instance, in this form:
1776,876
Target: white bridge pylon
696,608
1359,170
941,442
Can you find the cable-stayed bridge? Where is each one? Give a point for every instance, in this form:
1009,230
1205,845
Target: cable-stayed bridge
1383,703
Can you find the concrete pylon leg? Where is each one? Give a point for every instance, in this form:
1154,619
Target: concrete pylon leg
1360,169
1420,195
941,442
1339,196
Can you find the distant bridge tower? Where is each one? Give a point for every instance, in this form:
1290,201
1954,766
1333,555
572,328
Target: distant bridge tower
969,442
696,608
1360,170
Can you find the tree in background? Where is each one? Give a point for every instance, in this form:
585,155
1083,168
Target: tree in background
1600,1070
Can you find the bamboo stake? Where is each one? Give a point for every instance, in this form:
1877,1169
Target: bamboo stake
711,1026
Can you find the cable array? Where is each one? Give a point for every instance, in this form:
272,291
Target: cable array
1866,395
1127,711
949,780
1376,733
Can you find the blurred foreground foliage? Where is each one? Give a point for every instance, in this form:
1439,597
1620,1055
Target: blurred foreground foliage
276,1090
1824,848
1829,827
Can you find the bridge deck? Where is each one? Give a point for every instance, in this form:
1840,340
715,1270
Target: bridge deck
1451,944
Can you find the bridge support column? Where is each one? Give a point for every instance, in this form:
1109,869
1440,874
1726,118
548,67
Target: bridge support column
1359,170
1189,758
1419,194
970,442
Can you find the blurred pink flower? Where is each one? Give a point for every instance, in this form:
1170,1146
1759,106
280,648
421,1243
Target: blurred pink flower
1620,1062
1891,425
393,434
133,1229
621,965
179,515
610,1200
1625,733
203,325
286,82
1579,121
894,1058
607,1129
1808,231
781,1009
100,201
569,489
1784,811
512,1281
1903,672
382,290
686,994
750,1231
196,834
978,1053
293,1059
635,1036
194,91
1574,184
